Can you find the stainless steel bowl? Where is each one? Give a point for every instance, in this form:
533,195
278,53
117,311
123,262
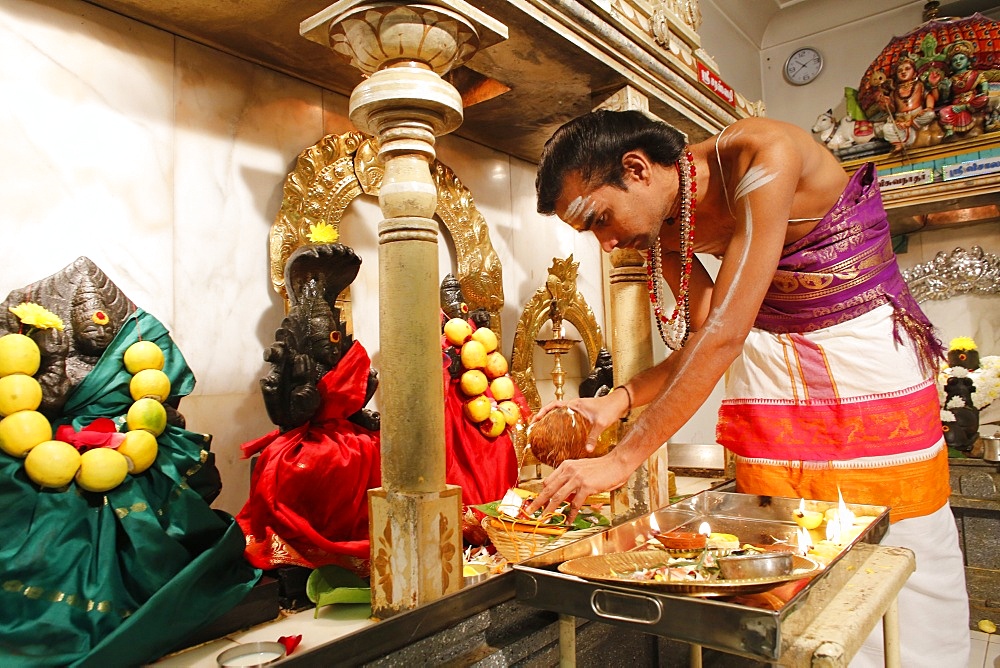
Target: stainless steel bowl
755,565
253,654
991,448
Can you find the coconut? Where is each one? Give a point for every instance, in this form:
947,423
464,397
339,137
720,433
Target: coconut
559,435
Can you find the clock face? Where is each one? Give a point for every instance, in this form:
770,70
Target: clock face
803,66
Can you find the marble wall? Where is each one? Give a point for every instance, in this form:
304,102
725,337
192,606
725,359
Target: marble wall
163,161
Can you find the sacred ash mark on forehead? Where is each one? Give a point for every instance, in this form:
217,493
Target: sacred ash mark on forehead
579,212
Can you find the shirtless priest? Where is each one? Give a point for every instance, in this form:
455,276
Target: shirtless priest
831,362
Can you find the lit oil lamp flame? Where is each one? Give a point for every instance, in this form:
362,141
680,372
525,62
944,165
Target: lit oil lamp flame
840,525
802,506
705,529
846,516
654,526
833,531
804,541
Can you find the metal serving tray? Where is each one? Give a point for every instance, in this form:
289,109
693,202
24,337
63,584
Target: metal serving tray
718,623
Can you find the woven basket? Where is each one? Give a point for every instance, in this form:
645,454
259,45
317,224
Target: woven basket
517,544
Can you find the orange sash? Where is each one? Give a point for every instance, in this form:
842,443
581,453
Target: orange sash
911,489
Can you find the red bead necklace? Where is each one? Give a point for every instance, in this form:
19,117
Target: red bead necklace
675,329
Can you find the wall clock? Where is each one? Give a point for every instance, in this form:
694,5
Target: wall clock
803,66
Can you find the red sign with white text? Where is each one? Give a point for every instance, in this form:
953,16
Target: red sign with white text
718,86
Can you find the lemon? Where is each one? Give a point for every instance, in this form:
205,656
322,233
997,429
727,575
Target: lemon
808,519
143,355
473,355
478,408
511,411
502,388
101,469
19,392
987,626
496,365
52,464
494,424
148,414
473,382
472,570
18,354
151,383
139,448
456,331
23,430
487,337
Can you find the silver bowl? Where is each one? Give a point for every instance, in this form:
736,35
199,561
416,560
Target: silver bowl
755,565
253,654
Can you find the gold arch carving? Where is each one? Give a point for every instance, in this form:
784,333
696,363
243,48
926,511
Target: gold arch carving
560,287
332,172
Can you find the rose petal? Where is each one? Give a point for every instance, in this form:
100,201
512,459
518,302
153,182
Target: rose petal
290,643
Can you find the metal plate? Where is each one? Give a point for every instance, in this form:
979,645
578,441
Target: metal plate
728,623
616,567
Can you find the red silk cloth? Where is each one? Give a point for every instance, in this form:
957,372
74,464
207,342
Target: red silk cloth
832,429
308,502
485,468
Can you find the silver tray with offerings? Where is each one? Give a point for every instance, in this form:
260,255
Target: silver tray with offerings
650,574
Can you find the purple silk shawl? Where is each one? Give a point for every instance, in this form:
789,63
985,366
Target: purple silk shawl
844,268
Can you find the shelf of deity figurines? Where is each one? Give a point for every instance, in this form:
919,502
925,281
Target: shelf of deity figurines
947,185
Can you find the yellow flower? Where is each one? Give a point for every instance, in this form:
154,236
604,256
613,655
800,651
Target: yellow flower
962,343
36,316
322,233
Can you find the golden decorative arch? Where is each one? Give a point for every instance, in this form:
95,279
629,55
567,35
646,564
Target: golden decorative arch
332,172
558,294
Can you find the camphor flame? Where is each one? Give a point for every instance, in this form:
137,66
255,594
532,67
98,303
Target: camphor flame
705,529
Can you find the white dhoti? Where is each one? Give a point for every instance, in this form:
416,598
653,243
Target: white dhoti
847,410
933,605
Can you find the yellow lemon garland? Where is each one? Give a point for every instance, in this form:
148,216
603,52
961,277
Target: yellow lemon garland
26,433
484,368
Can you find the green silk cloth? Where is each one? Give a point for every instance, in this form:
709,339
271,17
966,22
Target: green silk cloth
120,578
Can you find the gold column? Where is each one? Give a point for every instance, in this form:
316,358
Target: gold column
632,349
414,518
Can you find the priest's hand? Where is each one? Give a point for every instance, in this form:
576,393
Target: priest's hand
577,479
602,412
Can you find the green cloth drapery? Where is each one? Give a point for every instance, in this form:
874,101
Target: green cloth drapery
117,578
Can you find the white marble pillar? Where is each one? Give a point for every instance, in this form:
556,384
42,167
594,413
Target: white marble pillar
415,517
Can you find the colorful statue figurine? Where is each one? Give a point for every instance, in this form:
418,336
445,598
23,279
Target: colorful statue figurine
959,415
965,90
909,106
